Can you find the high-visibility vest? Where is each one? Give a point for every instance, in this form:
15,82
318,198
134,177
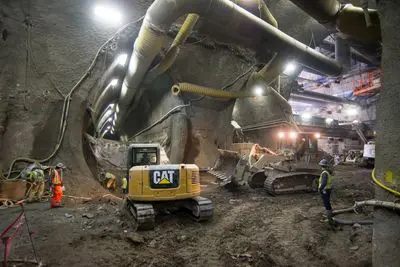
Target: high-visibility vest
56,180
109,175
328,182
36,175
124,183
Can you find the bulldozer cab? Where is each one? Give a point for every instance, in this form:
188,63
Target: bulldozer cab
302,145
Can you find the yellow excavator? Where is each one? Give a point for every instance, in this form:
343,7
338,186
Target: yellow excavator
154,187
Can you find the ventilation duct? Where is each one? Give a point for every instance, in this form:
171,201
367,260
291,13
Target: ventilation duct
250,30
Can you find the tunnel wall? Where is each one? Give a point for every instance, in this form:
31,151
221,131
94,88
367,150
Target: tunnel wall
63,40
386,237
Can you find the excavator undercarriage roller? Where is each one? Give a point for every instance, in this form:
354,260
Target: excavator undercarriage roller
143,214
200,207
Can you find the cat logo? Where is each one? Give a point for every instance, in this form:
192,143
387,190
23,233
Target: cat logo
164,178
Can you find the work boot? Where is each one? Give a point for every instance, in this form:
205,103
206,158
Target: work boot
332,223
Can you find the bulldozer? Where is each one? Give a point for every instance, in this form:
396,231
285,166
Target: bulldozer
155,187
293,168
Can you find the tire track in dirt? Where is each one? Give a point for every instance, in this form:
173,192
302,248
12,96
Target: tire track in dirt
208,247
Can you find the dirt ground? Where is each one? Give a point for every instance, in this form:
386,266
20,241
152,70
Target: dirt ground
249,228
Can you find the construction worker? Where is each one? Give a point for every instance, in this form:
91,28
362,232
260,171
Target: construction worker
57,186
325,189
111,181
36,189
124,185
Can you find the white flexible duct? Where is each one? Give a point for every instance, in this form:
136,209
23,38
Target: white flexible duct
161,15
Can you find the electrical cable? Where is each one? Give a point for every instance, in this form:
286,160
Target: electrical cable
239,77
227,85
66,105
159,121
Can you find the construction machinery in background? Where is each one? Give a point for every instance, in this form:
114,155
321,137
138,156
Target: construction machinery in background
354,156
156,187
293,168
367,157
369,154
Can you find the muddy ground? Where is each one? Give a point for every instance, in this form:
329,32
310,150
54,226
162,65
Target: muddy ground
249,228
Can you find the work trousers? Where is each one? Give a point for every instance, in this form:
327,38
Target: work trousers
56,199
326,199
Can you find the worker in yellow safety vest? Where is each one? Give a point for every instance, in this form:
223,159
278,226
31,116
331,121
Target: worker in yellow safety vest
36,181
124,185
325,188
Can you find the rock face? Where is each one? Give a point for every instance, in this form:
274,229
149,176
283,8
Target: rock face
48,46
386,233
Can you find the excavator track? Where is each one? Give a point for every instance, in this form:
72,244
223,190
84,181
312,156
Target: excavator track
201,208
278,183
142,213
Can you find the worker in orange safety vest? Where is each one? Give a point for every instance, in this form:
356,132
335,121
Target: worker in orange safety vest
57,186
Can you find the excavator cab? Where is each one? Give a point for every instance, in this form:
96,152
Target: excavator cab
153,186
143,154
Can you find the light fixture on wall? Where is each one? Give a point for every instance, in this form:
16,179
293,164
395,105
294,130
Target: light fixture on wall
121,59
236,125
293,135
290,68
281,135
258,90
328,120
107,14
306,116
114,82
317,135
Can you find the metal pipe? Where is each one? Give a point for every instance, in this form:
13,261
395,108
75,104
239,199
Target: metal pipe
310,96
347,18
323,11
330,46
246,26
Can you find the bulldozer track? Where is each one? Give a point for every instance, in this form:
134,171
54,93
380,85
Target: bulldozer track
286,183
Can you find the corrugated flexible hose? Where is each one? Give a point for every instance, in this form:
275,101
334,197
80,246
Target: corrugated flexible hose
180,88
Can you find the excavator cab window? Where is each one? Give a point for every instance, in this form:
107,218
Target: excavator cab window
144,156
